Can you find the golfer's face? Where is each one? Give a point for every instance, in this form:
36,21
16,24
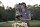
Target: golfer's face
21,6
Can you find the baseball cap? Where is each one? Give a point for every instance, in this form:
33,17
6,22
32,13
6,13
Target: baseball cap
22,4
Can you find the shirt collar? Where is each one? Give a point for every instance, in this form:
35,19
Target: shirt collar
25,10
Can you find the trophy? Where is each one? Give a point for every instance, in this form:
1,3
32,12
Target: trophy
18,15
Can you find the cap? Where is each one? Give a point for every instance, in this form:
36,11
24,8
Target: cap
22,4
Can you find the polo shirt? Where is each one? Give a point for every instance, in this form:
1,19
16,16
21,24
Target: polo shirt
25,15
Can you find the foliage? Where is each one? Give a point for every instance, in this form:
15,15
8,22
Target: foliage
9,12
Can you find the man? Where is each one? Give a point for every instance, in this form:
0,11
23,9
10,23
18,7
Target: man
26,15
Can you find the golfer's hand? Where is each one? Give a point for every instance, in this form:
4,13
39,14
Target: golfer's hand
22,19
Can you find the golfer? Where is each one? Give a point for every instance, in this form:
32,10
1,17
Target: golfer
26,15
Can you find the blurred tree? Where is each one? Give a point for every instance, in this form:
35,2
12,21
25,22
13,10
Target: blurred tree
35,11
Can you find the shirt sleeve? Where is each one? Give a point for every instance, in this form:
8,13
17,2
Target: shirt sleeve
29,13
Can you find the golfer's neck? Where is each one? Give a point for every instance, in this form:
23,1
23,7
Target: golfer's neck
23,9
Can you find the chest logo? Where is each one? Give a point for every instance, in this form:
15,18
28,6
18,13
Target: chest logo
25,13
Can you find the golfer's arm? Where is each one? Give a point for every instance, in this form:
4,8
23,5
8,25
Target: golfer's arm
29,18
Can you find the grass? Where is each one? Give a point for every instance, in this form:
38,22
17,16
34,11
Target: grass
33,23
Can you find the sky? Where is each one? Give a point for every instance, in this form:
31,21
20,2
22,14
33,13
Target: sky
13,2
